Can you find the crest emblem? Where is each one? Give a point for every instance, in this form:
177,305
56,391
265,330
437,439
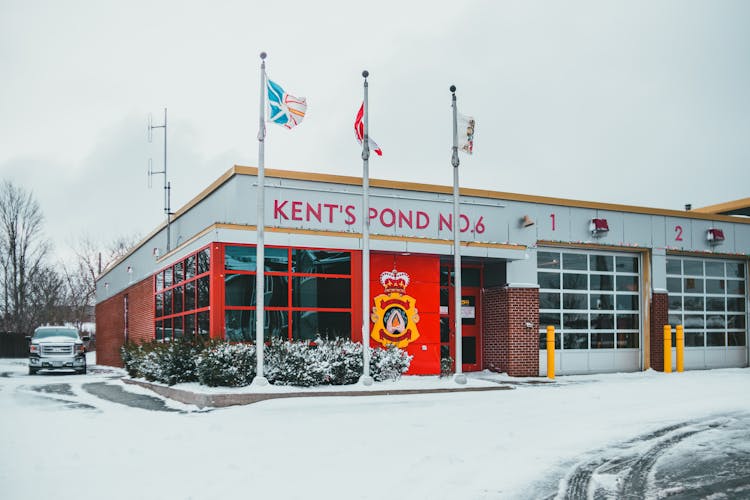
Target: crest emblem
394,314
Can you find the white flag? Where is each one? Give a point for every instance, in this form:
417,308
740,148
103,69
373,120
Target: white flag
466,126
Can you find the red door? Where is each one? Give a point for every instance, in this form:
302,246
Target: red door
471,324
470,328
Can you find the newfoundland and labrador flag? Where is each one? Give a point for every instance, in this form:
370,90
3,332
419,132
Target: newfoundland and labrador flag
359,129
284,109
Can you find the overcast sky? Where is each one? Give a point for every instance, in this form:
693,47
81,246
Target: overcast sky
635,102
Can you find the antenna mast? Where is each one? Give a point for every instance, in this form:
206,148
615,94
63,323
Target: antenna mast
151,172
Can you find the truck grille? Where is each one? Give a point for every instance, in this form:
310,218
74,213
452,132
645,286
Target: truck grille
57,350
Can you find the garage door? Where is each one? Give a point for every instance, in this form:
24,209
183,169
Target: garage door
592,298
709,298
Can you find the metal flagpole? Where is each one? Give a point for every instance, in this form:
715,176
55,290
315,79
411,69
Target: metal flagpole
260,254
366,379
460,378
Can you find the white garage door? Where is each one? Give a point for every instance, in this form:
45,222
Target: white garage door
709,298
592,298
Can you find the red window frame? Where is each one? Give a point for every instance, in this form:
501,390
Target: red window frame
355,277
166,275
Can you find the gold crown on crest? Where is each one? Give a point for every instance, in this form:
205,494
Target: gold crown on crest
394,282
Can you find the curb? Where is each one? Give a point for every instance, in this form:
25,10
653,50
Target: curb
222,400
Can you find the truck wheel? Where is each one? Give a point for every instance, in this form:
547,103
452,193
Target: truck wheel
32,371
82,371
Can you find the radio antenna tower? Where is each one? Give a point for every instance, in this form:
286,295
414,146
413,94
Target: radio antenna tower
151,172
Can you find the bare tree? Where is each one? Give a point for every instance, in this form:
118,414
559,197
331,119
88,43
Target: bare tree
47,298
80,277
22,251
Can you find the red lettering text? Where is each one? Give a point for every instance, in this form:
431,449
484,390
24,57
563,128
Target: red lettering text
296,210
278,210
403,219
311,211
351,218
330,207
392,216
444,223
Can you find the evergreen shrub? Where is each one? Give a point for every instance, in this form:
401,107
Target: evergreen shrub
389,363
296,363
227,365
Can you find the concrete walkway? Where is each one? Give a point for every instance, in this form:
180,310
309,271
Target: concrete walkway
217,400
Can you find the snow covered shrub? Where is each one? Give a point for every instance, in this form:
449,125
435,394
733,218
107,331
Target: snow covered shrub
167,362
389,363
344,359
295,363
446,366
228,365
177,363
129,356
134,355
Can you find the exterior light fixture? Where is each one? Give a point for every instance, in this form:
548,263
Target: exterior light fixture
598,227
714,236
526,221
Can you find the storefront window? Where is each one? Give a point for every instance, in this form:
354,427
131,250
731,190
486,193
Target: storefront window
308,325
307,293
317,292
320,262
181,290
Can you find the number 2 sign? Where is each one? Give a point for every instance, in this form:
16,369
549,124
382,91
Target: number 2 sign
678,233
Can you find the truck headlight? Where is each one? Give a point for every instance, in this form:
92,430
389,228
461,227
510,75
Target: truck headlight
34,349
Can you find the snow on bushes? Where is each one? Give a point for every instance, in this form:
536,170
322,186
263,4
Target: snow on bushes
227,365
166,362
389,363
304,364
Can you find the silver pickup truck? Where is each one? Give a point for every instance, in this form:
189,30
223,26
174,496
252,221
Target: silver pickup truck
57,348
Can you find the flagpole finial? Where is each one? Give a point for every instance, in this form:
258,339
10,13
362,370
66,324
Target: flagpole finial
453,88
365,73
263,55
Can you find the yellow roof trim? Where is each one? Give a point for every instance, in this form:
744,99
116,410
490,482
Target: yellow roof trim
727,206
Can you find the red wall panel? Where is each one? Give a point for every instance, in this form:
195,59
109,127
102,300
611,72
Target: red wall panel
424,286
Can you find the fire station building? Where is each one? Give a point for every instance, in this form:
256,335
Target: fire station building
607,277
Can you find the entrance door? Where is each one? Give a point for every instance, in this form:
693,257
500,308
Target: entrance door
471,322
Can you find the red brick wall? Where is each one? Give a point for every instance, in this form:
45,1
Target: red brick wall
110,321
491,326
659,318
509,345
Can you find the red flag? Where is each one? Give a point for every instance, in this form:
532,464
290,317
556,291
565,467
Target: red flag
359,130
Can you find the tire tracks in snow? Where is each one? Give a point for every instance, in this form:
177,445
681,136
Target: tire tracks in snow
625,472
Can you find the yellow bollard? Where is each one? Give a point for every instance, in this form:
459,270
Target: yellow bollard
667,349
551,352
680,348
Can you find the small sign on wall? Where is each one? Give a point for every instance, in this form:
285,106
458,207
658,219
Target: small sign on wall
468,310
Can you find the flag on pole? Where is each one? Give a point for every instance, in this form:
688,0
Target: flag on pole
466,126
284,109
359,130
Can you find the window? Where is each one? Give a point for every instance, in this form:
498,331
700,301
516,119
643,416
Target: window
181,298
307,293
592,299
707,297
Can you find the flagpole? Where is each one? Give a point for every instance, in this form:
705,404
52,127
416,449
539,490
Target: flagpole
459,378
366,379
260,249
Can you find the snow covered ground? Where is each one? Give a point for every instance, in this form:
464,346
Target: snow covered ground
58,439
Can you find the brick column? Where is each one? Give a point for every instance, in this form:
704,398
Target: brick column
509,345
659,317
